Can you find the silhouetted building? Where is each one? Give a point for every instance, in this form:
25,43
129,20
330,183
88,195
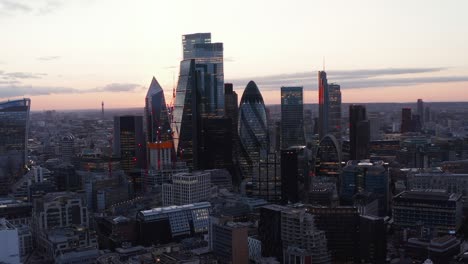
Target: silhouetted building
406,118
334,112
269,231
292,117
359,132
420,104
289,176
253,130
373,239
208,58
216,143
14,133
341,226
129,143
324,104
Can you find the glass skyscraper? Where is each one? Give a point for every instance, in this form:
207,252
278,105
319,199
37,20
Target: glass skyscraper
253,130
209,61
156,115
359,132
292,117
185,115
329,107
14,128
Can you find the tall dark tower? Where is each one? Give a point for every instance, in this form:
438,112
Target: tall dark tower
323,104
406,123
292,117
359,132
156,115
102,108
421,111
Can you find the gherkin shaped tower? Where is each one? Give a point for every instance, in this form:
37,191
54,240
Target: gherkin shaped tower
252,129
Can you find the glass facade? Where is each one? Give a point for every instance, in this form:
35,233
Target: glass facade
209,61
328,158
185,116
334,111
253,130
292,117
323,104
14,128
156,114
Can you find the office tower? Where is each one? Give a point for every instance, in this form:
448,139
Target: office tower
65,177
323,191
292,117
406,120
266,181
208,58
341,226
420,105
59,209
365,177
9,239
359,132
293,174
216,143
328,158
186,115
324,104
427,114
231,108
129,143
372,239
253,130
168,224
334,111
375,122
302,241
187,188
308,126
156,114
14,129
269,231
438,210
229,241
67,148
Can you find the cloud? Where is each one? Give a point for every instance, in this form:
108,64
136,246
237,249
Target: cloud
119,87
49,7
170,67
364,78
48,58
12,89
25,90
21,75
229,59
13,6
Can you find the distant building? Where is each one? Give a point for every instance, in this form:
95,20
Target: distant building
328,158
165,224
156,115
187,188
15,211
420,105
324,104
372,239
334,121
14,134
292,117
359,132
434,209
67,148
216,143
10,249
291,175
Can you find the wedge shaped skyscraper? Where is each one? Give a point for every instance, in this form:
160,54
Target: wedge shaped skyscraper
253,130
185,115
157,123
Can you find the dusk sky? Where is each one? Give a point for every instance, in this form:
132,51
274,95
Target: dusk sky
73,54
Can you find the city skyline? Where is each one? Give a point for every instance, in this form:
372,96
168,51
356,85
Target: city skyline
377,52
